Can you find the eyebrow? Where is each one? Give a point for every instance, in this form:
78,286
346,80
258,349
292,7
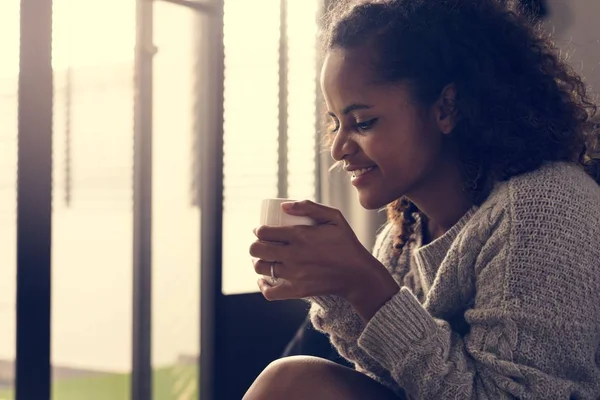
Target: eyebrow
352,107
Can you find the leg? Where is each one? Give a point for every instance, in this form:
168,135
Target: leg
301,377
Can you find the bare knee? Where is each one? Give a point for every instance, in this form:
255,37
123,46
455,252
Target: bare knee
302,377
281,377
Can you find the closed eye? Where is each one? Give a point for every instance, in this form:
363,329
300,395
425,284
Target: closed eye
333,126
365,126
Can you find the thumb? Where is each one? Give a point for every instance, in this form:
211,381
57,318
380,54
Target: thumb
306,208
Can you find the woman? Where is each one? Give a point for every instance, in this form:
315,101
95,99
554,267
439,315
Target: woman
485,283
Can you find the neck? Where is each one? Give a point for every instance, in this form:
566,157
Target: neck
442,199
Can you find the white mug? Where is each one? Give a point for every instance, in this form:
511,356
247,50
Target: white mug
271,214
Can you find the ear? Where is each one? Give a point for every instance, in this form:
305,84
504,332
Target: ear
447,114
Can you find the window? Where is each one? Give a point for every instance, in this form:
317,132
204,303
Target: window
252,134
92,198
176,221
9,66
94,88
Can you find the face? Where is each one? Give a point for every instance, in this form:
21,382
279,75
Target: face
395,142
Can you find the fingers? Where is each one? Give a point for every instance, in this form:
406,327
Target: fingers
277,234
267,251
282,291
263,267
289,236
320,213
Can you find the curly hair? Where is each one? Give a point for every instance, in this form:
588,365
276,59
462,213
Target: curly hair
519,103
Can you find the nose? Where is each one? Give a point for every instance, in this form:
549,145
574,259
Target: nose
343,146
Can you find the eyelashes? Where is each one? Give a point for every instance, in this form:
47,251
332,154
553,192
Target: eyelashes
334,126
365,126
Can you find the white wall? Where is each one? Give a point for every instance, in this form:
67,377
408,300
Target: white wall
577,31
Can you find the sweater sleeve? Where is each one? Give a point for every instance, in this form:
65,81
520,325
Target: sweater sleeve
533,327
336,317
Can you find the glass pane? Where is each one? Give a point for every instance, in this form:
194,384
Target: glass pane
302,92
176,216
251,129
9,69
93,61
251,121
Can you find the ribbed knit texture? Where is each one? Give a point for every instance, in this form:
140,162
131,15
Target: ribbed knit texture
506,304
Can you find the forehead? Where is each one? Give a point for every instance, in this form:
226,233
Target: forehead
347,72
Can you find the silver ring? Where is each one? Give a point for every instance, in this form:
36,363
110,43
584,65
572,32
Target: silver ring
273,277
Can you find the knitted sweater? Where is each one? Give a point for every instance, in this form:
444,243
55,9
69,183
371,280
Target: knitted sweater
506,304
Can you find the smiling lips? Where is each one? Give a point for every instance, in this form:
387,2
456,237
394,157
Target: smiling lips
358,172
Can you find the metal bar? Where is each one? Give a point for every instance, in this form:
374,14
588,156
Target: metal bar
211,202
282,177
193,4
141,374
34,204
319,112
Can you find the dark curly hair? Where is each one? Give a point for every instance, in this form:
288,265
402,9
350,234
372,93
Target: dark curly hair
519,103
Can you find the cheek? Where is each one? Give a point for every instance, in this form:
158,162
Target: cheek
409,155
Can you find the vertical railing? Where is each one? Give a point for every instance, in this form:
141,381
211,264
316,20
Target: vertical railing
34,202
320,162
211,206
141,374
282,159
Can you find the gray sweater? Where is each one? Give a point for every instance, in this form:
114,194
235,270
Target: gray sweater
505,304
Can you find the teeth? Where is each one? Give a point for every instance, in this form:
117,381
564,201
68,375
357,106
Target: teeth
359,172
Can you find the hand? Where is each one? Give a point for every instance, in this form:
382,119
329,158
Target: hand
325,259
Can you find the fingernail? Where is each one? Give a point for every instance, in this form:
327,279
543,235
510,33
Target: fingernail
261,283
288,206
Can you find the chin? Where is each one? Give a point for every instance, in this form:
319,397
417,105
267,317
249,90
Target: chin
375,199
371,202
